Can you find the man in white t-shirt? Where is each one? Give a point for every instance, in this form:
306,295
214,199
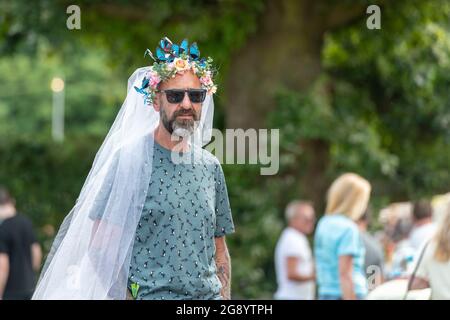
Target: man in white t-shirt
294,263
423,228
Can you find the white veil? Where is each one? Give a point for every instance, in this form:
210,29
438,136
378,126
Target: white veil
91,254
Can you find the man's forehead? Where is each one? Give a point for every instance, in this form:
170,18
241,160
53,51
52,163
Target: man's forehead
183,81
305,210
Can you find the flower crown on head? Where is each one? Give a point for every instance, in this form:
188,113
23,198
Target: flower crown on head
172,59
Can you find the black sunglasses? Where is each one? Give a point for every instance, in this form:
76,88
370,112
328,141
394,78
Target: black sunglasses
177,95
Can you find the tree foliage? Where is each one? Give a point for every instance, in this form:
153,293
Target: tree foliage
379,104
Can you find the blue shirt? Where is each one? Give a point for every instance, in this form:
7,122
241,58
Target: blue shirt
337,235
186,208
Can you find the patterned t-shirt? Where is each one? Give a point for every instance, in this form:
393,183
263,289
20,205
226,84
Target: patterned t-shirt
186,208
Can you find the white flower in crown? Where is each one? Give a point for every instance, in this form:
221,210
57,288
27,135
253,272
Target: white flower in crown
212,90
181,64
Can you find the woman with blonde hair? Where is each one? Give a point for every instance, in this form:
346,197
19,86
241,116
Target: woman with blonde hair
433,270
339,248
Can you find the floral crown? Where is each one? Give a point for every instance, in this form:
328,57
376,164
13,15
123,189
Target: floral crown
172,59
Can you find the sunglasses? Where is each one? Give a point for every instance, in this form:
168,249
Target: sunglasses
177,95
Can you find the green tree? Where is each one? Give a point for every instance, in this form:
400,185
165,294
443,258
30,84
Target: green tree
344,97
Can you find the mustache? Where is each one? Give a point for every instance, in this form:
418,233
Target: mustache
184,112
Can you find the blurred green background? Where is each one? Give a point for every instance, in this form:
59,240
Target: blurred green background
345,98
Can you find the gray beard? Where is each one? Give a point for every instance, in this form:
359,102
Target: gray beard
179,128
184,130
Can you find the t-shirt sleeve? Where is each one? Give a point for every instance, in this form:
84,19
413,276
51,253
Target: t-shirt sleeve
349,242
4,247
293,246
224,219
31,235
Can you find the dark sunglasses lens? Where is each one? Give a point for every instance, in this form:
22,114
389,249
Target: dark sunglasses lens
175,96
197,96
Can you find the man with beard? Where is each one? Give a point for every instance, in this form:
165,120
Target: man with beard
148,226
180,244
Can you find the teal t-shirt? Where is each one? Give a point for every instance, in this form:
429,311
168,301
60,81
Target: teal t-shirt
336,235
186,208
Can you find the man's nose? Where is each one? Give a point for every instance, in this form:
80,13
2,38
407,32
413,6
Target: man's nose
186,103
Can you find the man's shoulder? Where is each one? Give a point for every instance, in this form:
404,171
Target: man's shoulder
423,230
18,220
132,144
9,225
291,241
13,219
205,156
291,235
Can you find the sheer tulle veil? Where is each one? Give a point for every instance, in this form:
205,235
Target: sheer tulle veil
91,253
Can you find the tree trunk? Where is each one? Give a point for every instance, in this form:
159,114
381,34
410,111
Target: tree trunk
284,52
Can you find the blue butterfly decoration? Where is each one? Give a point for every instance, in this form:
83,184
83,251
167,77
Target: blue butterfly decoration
184,46
194,52
164,50
145,84
167,51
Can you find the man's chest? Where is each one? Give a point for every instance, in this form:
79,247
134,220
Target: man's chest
176,229
180,199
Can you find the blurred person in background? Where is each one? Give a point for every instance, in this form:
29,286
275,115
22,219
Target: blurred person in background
433,270
20,253
294,263
374,258
402,255
339,247
397,223
424,227
402,259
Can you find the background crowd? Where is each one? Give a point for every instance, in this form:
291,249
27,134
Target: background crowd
409,258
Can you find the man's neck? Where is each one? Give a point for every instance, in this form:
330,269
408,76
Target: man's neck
419,223
296,229
7,212
362,226
164,138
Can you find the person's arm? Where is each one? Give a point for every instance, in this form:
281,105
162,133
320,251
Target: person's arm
345,277
419,283
4,272
36,256
293,274
223,266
